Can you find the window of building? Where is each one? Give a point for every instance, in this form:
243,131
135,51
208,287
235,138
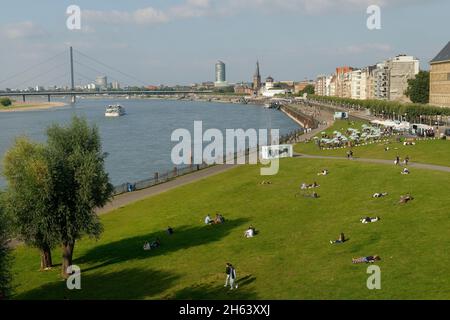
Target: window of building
448,76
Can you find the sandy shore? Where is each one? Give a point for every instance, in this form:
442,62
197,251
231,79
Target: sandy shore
32,106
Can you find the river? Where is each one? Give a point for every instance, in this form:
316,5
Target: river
139,143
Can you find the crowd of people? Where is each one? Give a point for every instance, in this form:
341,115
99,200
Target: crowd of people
250,232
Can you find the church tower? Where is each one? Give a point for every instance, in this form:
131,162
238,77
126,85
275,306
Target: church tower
257,78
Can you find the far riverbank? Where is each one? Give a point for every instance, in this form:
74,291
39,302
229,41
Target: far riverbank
32,106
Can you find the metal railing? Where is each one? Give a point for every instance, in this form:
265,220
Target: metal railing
169,175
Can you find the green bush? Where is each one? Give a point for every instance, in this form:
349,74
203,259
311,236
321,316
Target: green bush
5,102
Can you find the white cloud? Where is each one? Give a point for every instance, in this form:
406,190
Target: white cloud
147,15
26,29
201,8
191,9
366,47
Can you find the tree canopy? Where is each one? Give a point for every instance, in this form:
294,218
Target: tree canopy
419,88
54,189
5,101
29,196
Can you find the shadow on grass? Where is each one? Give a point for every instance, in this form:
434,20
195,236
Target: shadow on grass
132,248
217,291
130,283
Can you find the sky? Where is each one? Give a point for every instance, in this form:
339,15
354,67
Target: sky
178,41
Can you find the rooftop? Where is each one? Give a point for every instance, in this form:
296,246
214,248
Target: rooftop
444,55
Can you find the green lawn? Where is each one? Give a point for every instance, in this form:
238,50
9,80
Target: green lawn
425,151
291,257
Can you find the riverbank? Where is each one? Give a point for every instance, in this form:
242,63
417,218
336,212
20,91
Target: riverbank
18,107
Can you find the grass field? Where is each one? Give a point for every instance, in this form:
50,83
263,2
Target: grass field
425,151
291,257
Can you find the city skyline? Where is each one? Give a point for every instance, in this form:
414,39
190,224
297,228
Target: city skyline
182,44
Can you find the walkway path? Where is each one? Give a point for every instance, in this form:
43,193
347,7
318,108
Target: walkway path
130,197
377,161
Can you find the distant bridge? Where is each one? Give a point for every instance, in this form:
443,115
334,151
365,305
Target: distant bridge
73,94
70,74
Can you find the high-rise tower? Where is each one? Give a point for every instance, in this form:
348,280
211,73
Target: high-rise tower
220,74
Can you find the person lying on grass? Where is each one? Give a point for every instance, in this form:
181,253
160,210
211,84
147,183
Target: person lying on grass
305,186
405,199
405,171
369,259
266,182
340,240
369,220
379,195
314,195
324,172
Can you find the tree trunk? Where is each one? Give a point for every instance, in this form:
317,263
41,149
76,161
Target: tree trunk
46,258
67,248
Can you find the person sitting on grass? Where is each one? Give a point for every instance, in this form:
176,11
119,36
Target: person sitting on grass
219,219
340,240
405,171
250,232
369,220
379,195
153,245
208,219
314,195
169,231
405,199
368,259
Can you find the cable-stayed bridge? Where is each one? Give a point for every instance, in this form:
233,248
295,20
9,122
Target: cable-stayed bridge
79,67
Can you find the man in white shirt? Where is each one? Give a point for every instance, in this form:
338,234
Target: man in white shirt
208,219
249,233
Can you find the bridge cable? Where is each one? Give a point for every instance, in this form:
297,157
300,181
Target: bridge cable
32,67
112,68
41,74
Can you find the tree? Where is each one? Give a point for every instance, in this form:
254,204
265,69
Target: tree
28,196
309,89
419,88
5,102
5,259
81,184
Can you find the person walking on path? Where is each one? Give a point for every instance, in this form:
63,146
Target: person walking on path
406,160
231,276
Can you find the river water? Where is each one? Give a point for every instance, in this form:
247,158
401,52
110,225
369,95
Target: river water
139,143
